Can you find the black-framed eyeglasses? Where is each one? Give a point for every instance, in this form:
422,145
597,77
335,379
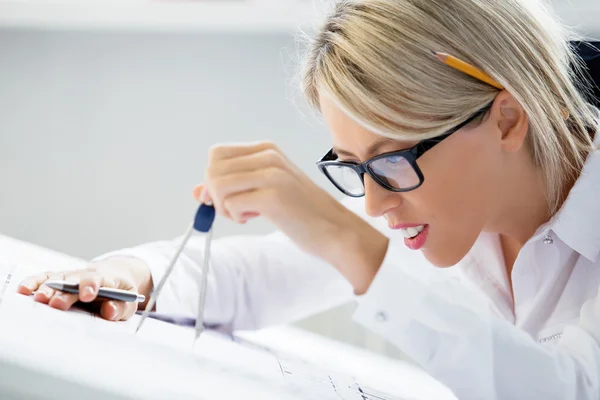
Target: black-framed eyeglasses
396,171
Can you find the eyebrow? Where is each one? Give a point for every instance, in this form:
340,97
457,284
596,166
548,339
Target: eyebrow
371,150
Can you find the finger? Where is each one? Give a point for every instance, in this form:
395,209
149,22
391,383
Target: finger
249,162
242,204
248,215
44,293
32,283
201,194
225,151
109,310
227,186
89,284
62,301
128,311
197,192
117,310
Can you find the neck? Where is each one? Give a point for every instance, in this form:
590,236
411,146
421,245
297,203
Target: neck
523,209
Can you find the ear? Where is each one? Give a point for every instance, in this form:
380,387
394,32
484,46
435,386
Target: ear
511,121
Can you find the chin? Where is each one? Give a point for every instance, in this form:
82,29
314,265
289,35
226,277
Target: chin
442,260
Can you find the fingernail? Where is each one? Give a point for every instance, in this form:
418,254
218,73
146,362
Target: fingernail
88,290
250,214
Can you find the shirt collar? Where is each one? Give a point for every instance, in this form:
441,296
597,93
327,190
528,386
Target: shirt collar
577,223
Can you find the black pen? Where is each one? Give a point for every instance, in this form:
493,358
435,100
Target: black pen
103,293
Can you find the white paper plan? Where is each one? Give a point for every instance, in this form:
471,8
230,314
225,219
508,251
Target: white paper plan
50,354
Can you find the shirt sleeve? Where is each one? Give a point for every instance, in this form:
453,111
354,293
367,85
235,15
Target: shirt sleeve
253,281
451,329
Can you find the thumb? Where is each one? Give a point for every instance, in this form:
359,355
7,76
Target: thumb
201,194
117,310
197,192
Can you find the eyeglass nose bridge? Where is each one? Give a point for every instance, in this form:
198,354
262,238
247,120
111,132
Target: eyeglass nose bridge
362,170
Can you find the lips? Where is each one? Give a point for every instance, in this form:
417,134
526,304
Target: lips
415,235
405,226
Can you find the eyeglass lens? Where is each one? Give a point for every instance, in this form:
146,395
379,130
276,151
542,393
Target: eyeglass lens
394,171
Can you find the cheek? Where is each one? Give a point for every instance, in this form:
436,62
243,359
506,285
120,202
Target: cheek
456,186
457,195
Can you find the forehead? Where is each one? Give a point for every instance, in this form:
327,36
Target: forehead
351,137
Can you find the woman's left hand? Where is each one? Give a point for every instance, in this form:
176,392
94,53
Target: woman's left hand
248,180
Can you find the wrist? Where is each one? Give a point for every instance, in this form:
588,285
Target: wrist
359,252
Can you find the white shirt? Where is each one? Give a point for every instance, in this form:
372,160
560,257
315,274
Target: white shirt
461,324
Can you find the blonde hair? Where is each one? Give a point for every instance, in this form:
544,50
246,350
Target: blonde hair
374,59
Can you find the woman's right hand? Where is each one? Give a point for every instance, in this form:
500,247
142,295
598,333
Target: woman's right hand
117,272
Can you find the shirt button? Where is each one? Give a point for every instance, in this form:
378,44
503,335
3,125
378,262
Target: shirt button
381,316
548,239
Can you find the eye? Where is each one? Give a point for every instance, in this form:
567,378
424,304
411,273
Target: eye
394,161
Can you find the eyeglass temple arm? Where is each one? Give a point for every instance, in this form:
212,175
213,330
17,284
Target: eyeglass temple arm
329,156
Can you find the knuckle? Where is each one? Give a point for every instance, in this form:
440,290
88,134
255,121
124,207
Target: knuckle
87,276
212,150
127,284
56,275
109,281
92,267
85,273
215,151
274,157
269,144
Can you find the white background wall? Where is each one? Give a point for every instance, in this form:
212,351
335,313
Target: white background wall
103,135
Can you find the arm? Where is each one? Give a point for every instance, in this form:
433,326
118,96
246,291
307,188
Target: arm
452,330
253,281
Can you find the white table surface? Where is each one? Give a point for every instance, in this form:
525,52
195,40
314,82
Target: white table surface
386,375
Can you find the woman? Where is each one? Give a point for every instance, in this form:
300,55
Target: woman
494,173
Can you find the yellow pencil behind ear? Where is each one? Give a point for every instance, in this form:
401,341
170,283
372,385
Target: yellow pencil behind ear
468,69
476,73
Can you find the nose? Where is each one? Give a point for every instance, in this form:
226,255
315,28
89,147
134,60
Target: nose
379,200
